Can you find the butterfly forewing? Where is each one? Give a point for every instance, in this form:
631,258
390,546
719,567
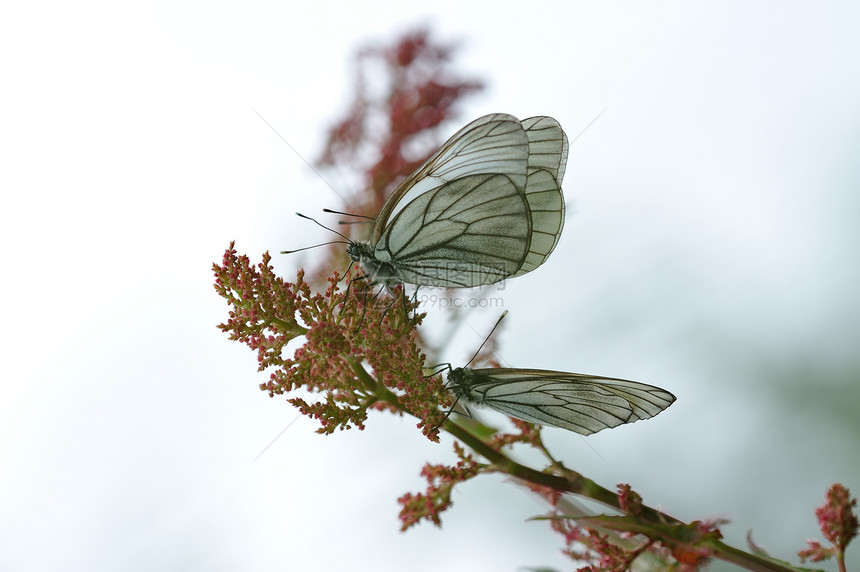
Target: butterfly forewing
548,146
584,404
493,144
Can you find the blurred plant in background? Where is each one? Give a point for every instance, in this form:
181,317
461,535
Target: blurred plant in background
362,353
404,94
837,520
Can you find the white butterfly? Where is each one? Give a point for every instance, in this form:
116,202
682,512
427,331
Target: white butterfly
580,403
486,206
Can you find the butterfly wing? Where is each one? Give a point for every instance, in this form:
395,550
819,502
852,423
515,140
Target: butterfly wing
546,211
492,144
580,403
458,222
474,230
547,160
548,145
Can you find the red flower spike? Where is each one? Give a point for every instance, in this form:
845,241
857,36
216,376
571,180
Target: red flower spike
436,498
267,313
838,522
528,433
629,500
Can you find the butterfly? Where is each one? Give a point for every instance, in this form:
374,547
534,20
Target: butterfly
584,404
486,206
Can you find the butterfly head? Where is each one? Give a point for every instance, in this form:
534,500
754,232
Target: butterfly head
460,381
378,271
358,251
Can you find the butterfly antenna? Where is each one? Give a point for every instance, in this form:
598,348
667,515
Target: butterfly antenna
499,321
441,367
347,214
589,125
324,226
314,246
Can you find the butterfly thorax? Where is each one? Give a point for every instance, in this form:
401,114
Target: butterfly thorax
460,380
377,271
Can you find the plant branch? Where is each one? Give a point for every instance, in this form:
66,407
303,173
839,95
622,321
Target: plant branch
745,559
651,522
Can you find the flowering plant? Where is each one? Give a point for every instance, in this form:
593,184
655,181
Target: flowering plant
363,353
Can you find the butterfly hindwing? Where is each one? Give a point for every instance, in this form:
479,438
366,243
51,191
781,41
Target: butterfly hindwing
546,206
469,232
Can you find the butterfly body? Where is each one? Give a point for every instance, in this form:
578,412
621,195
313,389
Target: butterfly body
378,270
485,207
580,403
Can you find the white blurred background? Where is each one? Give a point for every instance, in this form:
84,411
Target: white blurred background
711,248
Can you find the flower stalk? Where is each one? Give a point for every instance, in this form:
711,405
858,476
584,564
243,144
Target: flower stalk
361,356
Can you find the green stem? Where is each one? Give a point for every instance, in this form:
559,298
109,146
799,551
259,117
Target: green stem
840,559
378,391
289,327
366,379
572,482
744,559
575,483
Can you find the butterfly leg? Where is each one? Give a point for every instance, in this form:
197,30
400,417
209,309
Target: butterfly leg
390,304
363,307
349,285
448,413
414,299
348,268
